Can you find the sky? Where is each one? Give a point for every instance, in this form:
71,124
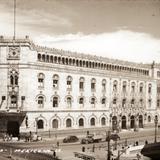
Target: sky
120,29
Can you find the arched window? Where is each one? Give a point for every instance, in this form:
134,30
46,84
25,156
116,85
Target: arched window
149,88
103,85
16,80
92,122
141,102
81,84
115,85
55,101
55,123
40,124
51,59
81,100
132,101
43,58
39,57
13,78
13,100
149,102
93,101
68,123
81,122
158,102
133,86
47,58
141,88
93,84
103,121
41,80
69,102
149,118
69,82
124,102
124,87
114,101
103,101
40,101
55,81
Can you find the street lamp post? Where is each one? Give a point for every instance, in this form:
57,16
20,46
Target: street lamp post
109,152
156,122
36,119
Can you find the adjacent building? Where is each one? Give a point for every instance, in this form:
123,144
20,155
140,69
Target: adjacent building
44,89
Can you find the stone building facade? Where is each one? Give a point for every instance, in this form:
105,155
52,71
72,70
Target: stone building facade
44,89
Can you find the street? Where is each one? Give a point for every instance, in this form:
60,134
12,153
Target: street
66,150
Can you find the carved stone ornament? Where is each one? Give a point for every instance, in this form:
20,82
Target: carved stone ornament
14,52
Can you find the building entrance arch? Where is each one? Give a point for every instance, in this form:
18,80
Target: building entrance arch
124,126
114,123
140,121
13,128
132,122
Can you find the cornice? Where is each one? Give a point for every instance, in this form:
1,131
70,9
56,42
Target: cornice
87,71
67,111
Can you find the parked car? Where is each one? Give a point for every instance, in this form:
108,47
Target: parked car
70,139
113,137
91,138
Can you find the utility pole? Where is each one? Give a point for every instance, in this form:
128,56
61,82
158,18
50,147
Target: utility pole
14,36
156,122
109,152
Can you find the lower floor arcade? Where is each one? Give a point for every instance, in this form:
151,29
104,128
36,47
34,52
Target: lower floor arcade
15,123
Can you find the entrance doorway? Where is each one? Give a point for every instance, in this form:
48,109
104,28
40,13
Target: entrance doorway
132,122
124,126
114,123
13,128
140,121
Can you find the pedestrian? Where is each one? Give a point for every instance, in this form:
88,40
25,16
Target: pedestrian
138,156
93,148
30,136
57,144
146,142
83,149
54,154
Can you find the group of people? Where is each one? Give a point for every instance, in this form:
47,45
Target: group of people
7,137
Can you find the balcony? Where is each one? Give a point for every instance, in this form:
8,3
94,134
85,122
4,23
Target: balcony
13,88
124,94
133,94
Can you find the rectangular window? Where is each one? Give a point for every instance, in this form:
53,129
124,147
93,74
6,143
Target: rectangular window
141,89
103,87
149,102
133,88
115,88
55,103
124,89
13,101
41,82
93,86
149,90
69,83
114,101
158,102
158,89
81,85
55,83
